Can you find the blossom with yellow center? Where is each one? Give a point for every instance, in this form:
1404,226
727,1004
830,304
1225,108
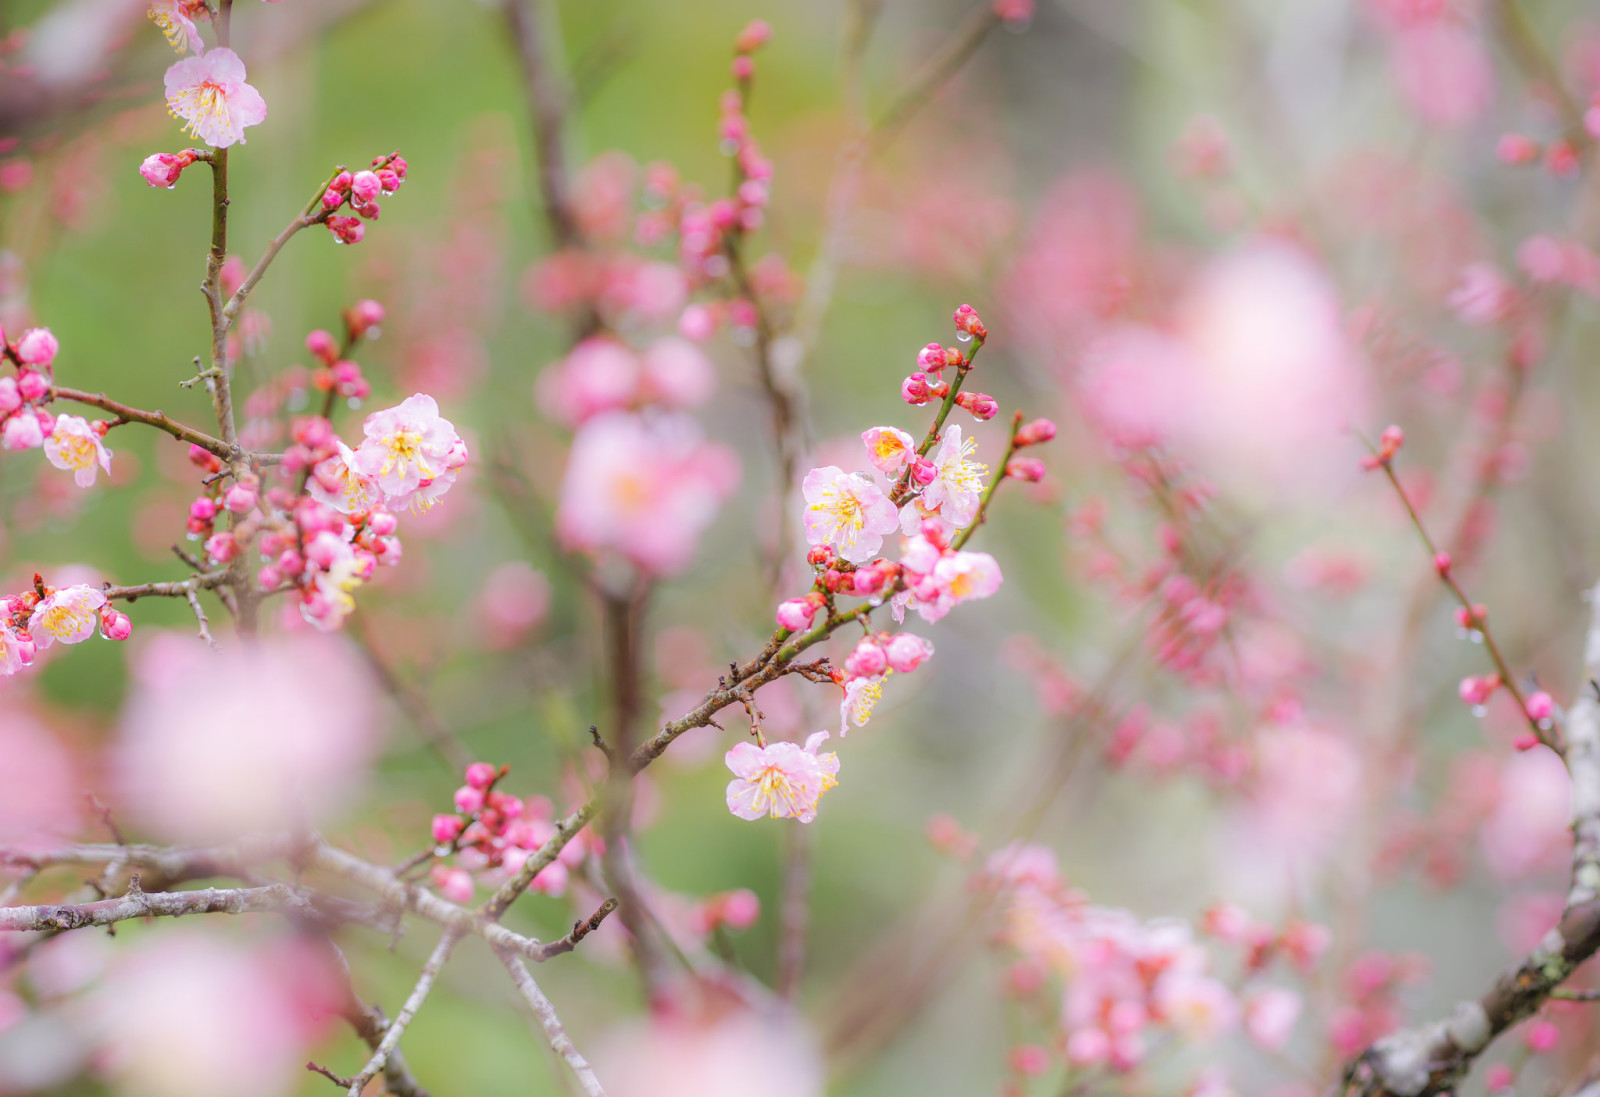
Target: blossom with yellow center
847,512
209,94
782,780
74,445
888,448
172,16
68,615
958,487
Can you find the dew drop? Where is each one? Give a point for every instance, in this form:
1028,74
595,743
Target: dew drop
964,336
441,851
1475,636
172,186
1479,710
354,402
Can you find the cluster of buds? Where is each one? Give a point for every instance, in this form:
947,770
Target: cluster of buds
43,615
162,169
1301,944
323,555
1389,444
338,374
201,524
24,424
493,834
361,190
1033,433
1560,157
704,228
926,384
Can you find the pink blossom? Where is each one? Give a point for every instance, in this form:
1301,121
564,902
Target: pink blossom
599,374
338,482
1482,296
514,600
257,737
407,450
866,661
1269,1016
172,16
645,487
957,577
162,169
958,485
677,373
796,614
1445,72
888,448
38,347
69,615
454,884
906,652
847,512
1198,1006
16,650
209,93
1526,833
781,779
75,445
861,696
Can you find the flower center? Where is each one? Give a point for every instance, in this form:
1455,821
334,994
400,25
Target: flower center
64,621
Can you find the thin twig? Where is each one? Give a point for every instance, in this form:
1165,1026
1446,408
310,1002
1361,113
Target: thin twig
554,1031
408,1011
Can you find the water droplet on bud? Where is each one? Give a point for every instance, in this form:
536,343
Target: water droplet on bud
1479,710
964,336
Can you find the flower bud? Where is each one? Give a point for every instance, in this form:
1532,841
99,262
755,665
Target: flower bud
480,775
446,828
1030,469
203,509
924,471
1035,432
753,37
347,230
982,406
796,614
241,498
469,800
388,180
10,396
161,169
222,546
363,317
915,389
906,652
1540,706
323,345
341,183
332,199
931,358
32,386
365,186
268,578
382,524
37,347
866,661
967,321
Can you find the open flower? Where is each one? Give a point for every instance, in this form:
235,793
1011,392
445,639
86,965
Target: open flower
173,17
16,650
780,779
847,512
955,491
74,445
69,615
337,482
888,448
209,93
408,447
861,696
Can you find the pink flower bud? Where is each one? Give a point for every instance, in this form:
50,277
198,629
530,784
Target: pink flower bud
866,661
115,625
469,800
1477,689
1516,149
753,37
323,345
10,396
739,909
341,182
290,562
389,179
982,406
32,386
924,471
397,164
369,210
480,775
1017,15
347,230
1036,432
162,169
446,828
1392,439
931,358
743,68
1541,1036
1441,562
1030,469
967,321
1541,706
915,389
455,884
241,498
268,578
222,547
365,186
382,524
203,509
1525,742
907,652
332,199
324,549
1088,1047
796,614
1498,1077
37,347
363,317
1030,1059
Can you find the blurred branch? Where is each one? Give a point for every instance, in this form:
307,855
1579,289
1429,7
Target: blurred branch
957,50
408,1011
794,915
370,1024
139,904
554,1031
1433,1058
547,107
413,701
1538,67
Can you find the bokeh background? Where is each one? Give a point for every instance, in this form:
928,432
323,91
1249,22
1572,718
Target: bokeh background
1052,183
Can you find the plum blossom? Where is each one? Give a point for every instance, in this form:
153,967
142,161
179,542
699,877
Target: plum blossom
956,487
888,448
75,445
175,21
957,577
22,432
337,482
410,452
209,93
780,779
643,486
16,650
847,512
861,696
68,615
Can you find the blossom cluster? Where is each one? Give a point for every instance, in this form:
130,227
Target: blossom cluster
932,497
361,191
492,834
1126,983
36,618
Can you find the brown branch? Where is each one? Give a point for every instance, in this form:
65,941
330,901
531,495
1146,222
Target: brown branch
160,421
554,1031
1432,1059
139,904
397,1027
580,930
311,215
547,106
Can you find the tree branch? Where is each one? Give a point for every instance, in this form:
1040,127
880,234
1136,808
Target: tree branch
408,1011
554,1031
